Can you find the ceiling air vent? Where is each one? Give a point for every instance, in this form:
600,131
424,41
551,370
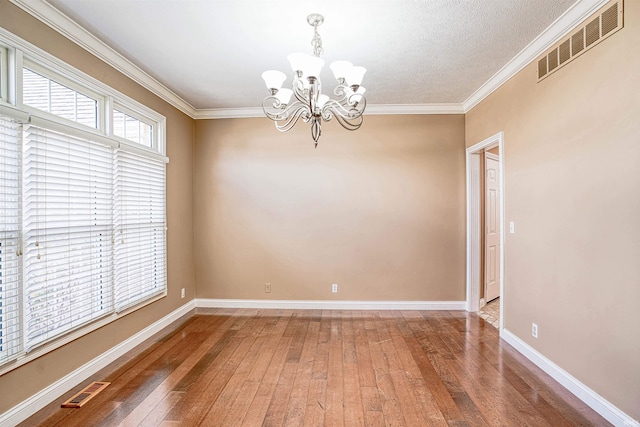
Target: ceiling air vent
552,59
577,42
565,51
592,32
601,25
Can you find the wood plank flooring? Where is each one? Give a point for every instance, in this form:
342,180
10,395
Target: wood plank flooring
240,367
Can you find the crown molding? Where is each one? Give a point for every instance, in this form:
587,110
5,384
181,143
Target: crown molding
61,23
558,29
228,113
380,109
371,110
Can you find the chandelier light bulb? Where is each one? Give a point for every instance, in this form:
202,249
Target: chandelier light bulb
274,79
356,74
297,61
307,65
340,69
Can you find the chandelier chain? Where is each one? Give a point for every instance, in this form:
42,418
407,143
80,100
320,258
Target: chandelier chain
316,42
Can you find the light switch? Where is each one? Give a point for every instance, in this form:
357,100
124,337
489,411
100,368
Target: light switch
512,227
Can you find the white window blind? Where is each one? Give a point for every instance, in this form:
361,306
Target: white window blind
140,245
48,95
10,271
68,232
131,128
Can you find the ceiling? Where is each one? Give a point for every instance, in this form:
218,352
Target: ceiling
211,53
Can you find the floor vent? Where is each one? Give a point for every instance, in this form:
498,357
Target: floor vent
598,27
88,393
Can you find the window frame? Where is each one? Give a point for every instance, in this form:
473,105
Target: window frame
70,84
19,53
4,73
144,115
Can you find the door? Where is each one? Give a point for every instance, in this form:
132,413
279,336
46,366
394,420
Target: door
492,227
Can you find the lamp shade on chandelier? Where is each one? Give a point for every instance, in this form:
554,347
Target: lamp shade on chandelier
305,99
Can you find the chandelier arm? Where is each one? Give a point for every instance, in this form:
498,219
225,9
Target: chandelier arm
349,124
348,121
346,99
360,106
276,111
287,123
341,92
272,107
299,91
346,110
353,124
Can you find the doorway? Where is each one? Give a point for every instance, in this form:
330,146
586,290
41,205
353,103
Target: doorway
474,172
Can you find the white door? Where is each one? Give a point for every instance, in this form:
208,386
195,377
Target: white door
492,227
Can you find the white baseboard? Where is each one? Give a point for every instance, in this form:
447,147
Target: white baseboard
330,305
28,407
599,404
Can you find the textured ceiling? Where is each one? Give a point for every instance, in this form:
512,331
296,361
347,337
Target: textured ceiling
212,52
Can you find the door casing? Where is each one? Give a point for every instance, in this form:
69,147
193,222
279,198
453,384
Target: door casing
473,279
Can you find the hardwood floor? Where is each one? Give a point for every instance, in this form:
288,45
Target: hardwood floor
327,367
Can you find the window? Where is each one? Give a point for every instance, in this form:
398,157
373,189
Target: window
82,205
92,219
67,233
10,276
140,228
131,128
48,95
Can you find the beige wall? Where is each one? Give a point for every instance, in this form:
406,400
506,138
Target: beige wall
25,381
379,211
572,147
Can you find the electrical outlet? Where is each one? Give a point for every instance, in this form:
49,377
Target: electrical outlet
534,330
267,288
334,288
182,293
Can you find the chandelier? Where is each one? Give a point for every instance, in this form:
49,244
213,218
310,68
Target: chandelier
305,99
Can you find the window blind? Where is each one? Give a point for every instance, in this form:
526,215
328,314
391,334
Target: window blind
140,244
133,129
48,95
68,232
10,271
